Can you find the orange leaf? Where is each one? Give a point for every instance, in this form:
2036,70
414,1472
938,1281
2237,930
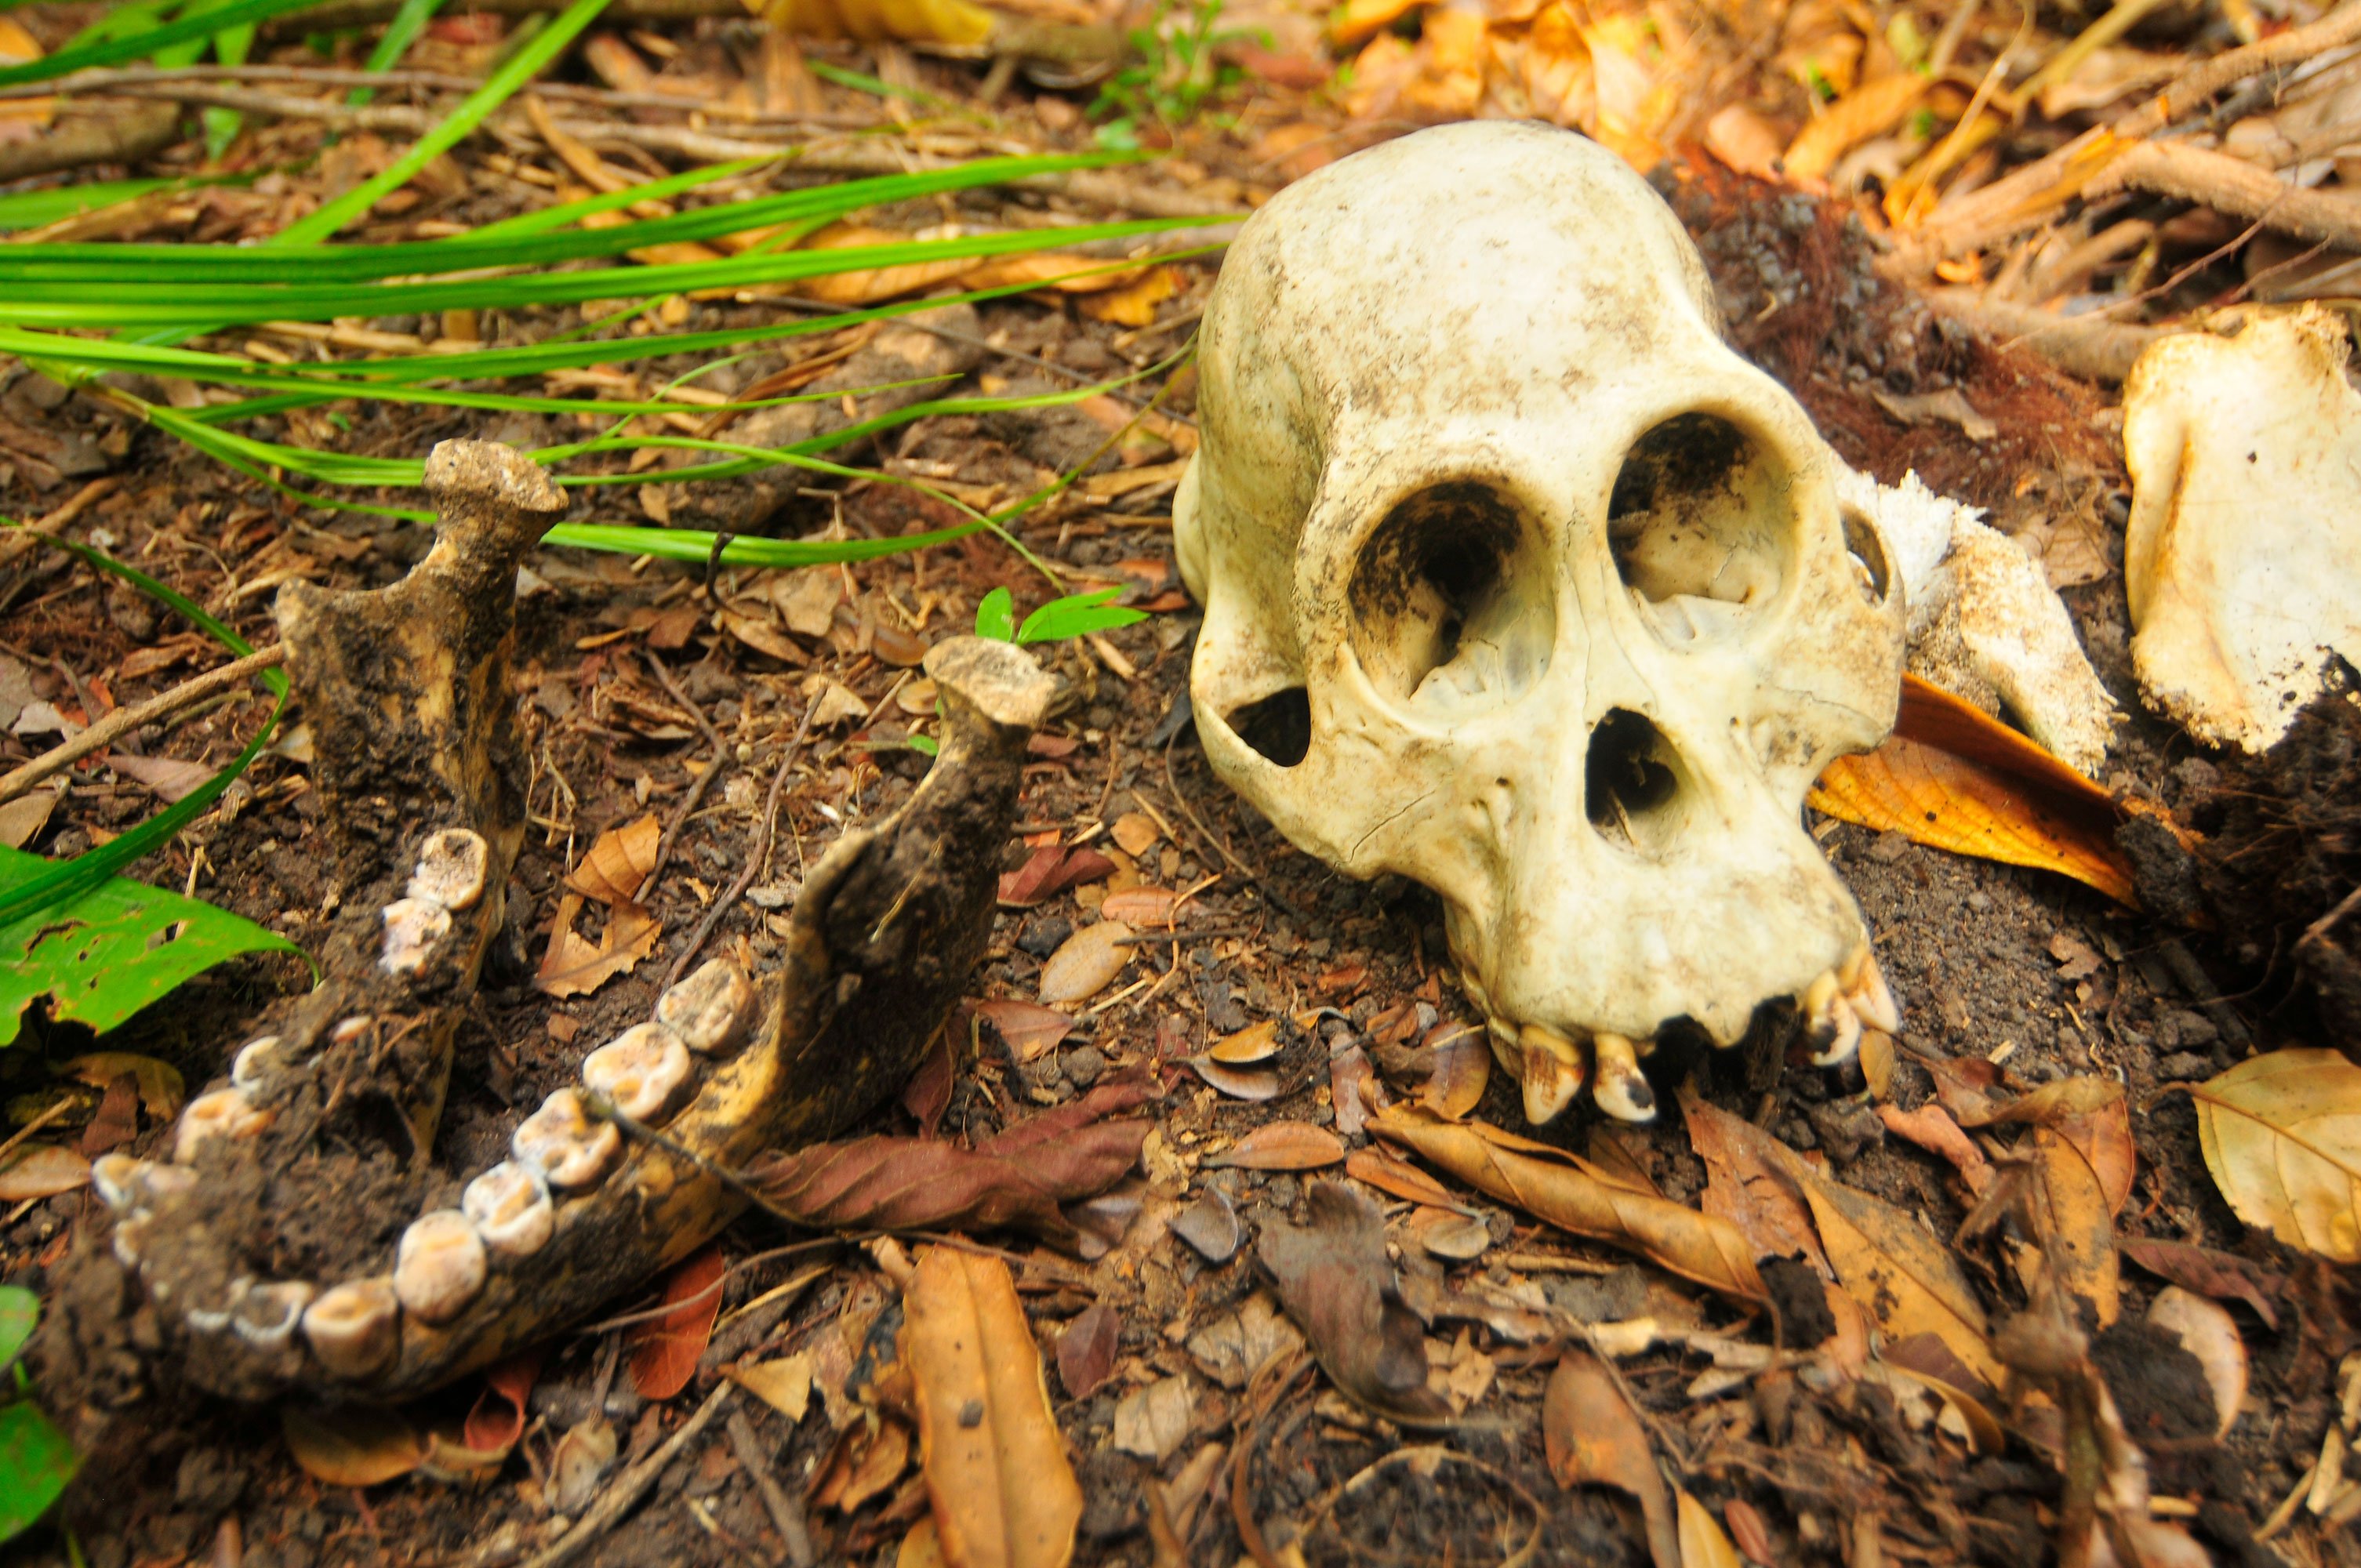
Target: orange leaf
575,966
1282,1146
352,1446
1029,1030
618,863
1396,1177
499,1418
1954,778
1591,1436
664,1350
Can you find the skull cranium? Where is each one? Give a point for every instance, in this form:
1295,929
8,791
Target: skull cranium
1522,584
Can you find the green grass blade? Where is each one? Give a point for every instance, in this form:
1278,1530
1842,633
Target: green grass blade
394,42
138,43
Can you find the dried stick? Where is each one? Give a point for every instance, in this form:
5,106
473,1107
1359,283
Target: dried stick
2234,186
189,693
784,1514
633,1484
698,786
123,134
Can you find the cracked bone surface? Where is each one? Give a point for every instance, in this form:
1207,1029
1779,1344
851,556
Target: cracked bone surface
1520,583
330,1213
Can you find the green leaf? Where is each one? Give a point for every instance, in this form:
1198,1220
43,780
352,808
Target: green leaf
148,41
113,950
36,1463
996,616
19,1310
926,745
394,42
1077,615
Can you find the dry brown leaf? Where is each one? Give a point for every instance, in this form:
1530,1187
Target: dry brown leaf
162,1091
1593,1437
1957,779
2282,1136
784,1384
1138,906
1339,1287
1255,1043
576,967
1004,1495
2205,1330
1398,1178
2078,1232
1868,110
41,1171
1751,1193
1133,305
352,1446
1463,1070
1135,833
763,637
2088,1112
959,23
2208,1272
1027,1029
1085,963
618,863
1703,1544
1086,1350
1282,1146
1578,1197
1249,1083
1932,1128
664,1351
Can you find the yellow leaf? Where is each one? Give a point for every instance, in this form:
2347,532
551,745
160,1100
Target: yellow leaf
1703,1544
784,1384
960,23
162,1089
353,1445
2282,1136
1004,1495
1870,110
620,859
2078,1229
1133,305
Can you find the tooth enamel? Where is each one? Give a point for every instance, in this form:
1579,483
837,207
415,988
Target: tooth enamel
110,1177
709,1010
644,1071
255,1060
1814,1003
349,1029
130,1235
563,1142
268,1314
1553,1072
1872,999
1622,1090
223,1114
440,1265
213,1320
451,867
511,1208
413,927
354,1328
153,1185
1843,1038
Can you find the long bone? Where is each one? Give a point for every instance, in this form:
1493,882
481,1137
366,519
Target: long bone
889,926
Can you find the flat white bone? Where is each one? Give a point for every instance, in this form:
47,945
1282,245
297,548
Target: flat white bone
451,869
354,1328
711,1009
268,1314
644,1071
413,927
571,1151
223,1114
440,1265
511,1207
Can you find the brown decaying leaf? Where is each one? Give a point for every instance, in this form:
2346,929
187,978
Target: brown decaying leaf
618,863
929,1094
352,1446
162,1091
1018,1177
2090,1113
1282,1146
1954,778
1085,963
1249,1083
784,1384
2219,1275
1028,1030
1140,905
1463,1069
1703,1544
574,966
115,1121
2077,1229
1135,833
1255,1043
2206,1332
1338,1286
41,1171
1593,1437
1743,1189
2282,1136
1932,1128
1398,1178
1004,1495
1086,1350
1746,1526
664,1351
866,1459
1578,1197
1050,870
497,1418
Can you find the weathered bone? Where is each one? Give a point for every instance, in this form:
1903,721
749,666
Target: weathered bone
256,1061
412,928
269,1314
511,1209
226,1113
451,869
354,1329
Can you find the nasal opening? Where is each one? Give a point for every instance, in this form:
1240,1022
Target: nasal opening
1633,785
1279,726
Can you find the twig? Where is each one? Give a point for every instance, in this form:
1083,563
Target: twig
633,1484
2085,346
119,134
64,1102
58,758
698,786
737,890
2232,185
784,1514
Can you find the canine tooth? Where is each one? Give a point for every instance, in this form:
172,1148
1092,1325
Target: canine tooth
354,1328
255,1060
1844,1036
130,1235
268,1314
451,868
1623,1091
1814,1003
710,1009
510,1205
440,1265
413,927
1871,998
563,1142
110,1177
1553,1072
223,1114
644,1071
213,1320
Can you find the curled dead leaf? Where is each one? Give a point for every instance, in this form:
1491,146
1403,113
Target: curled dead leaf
2205,1330
664,1350
1282,1146
619,860
162,1091
1027,1029
41,1171
2282,1136
573,966
1593,1437
2209,1272
1338,1285
352,1446
1703,1544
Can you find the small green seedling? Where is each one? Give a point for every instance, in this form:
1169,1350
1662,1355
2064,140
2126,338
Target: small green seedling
1076,615
36,1460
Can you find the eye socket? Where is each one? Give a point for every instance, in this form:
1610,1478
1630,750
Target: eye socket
1700,511
1452,603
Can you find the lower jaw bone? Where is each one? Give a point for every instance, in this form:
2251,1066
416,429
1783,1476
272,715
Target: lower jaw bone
711,1009
268,1314
440,1265
511,1208
1623,1091
224,1113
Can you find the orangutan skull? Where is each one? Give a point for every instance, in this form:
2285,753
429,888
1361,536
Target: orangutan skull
1521,583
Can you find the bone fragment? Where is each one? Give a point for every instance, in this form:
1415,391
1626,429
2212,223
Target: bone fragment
644,1071
571,1151
354,1328
711,1009
347,1030
223,1114
1553,1072
2242,559
130,1240
256,1060
214,1319
412,928
268,1314
451,869
1829,1022
153,1184
439,1266
511,1208
1623,1091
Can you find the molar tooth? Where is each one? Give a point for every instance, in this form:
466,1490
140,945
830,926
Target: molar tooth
213,1320
1843,1038
354,1328
255,1060
223,1114
1553,1072
268,1314
563,1142
110,1177
413,927
710,1009
644,1071
131,1235
1623,1091
440,1265
451,869
510,1205
1871,998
